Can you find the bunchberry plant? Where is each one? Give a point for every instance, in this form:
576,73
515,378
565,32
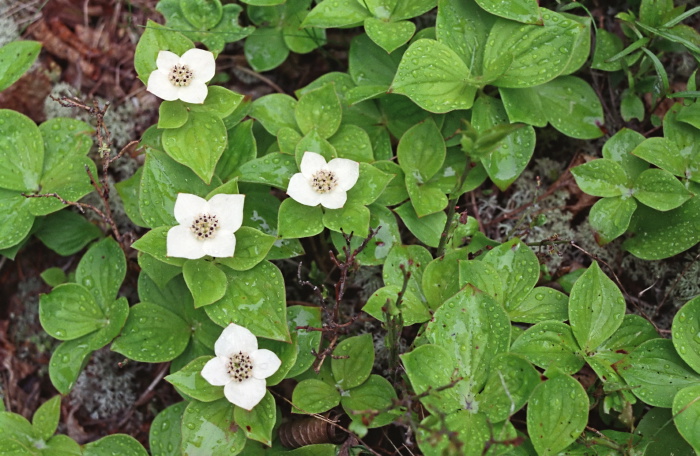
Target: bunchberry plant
254,217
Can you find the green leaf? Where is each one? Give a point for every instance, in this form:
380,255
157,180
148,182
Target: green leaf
541,304
257,424
557,414
375,394
314,142
434,77
655,372
430,367
206,281
128,191
596,308
421,151
66,232
254,299
203,14
471,429
62,445
53,277
275,111
441,278
46,417
351,218
539,52
198,144
370,185
252,246
656,427
619,148
298,221
549,344
686,333
483,276
157,38
319,109
102,270
508,387
241,148
21,152
116,314
307,341
172,114
654,12
633,331
686,414
660,190
152,334
608,45
518,269
473,328
15,219
464,28
208,425
189,380
165,433
631,106
162,179
341,13
382,301
389,35
67,360
663,153
16,58
301,40
352,142
428,229
509,158
273,169
526,11
369,64
352,361
70,311
115,443
405,259
314,396
572,107
658,235
265,48
220,101
602,177
610,217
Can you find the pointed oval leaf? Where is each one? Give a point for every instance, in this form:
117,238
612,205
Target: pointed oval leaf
352,361
686,333
165,435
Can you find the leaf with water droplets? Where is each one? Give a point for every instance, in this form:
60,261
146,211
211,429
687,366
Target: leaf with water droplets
258,423
434,77
541,304
557,414
376,393
508,387
189,381
208,425
389,35
686,414
273,169
336,13
658,235
254,299
619,148
660,190
102,270
21,152
539,52
314,396
265,48
70,311
656,373
369,64
45,419
67,361
319,109
510,156
353,143
165,434
518,269
663,153
206,281
603,177
67,232
115,444
16,58
473,328
686,333
596,308
429,367
352,361
298,221
152,334
198,144
428,229
526,11
549,344
15,219
275,111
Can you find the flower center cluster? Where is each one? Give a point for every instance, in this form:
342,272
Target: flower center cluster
180,75
239,367
204,226
324,181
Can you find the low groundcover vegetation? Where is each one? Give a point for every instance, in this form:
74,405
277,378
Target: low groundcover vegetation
461,227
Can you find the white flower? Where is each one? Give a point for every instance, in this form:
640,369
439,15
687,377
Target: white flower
321,182
240,367
205,227
183,77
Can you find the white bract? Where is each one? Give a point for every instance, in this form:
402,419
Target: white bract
323,183
240,367
182,77
205,227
